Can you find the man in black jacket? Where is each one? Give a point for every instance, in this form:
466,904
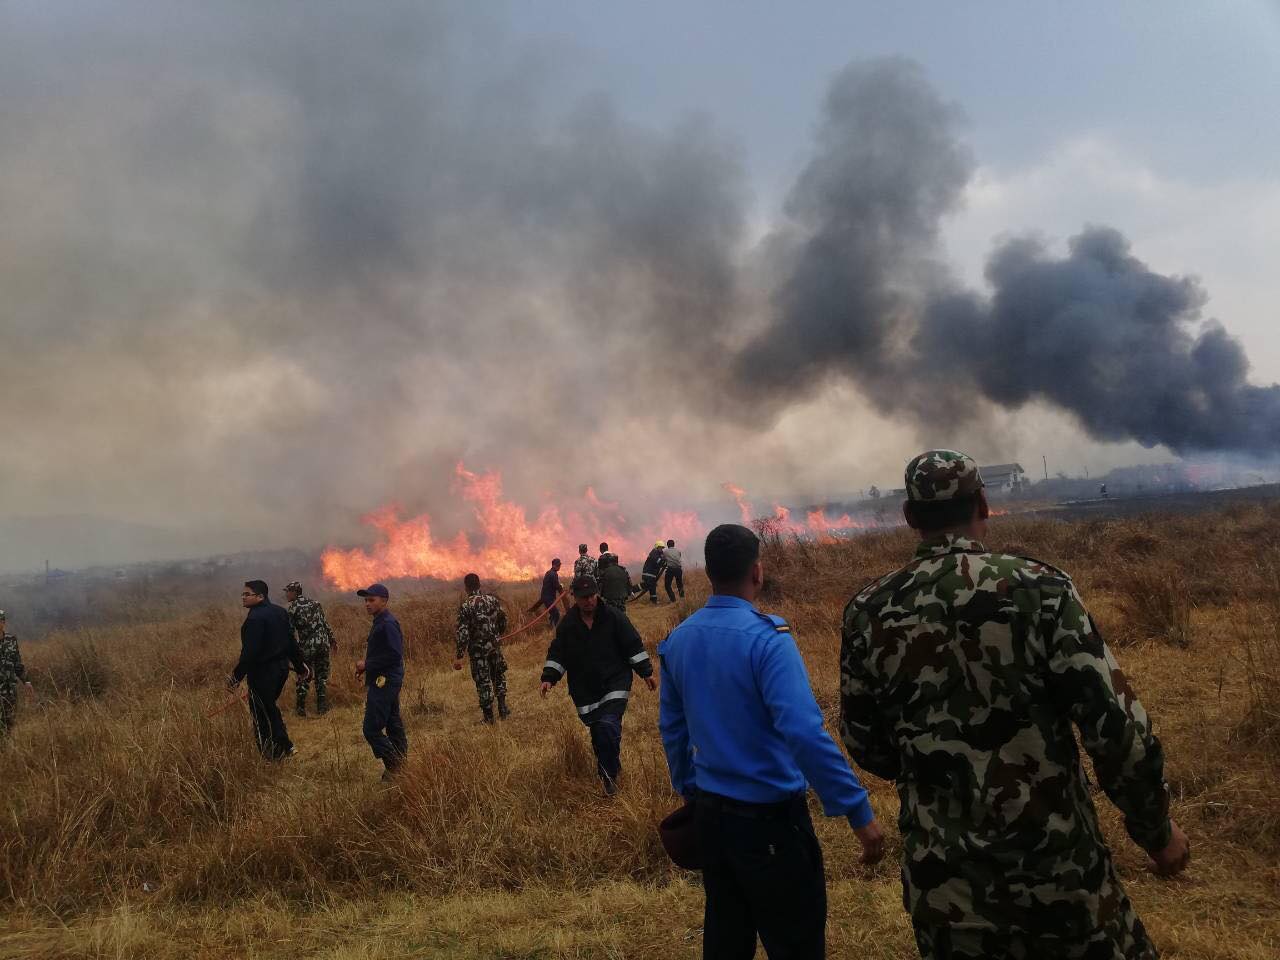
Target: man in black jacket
267,648
598,648
383,670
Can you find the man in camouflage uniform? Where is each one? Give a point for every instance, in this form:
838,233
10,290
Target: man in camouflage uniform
481,622
12,672
585,565
315,640
961,676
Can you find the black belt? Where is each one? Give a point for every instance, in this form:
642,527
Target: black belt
753,811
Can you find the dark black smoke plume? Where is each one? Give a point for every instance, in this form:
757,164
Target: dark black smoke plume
863,296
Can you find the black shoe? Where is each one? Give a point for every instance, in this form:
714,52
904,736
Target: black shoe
610,787
503,710
322,707
488,714
301,711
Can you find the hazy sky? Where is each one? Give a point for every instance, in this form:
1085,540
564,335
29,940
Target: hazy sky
267,267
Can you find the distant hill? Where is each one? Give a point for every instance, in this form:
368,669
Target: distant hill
81,540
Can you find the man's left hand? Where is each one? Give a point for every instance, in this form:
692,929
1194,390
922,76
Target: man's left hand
457,664
651,683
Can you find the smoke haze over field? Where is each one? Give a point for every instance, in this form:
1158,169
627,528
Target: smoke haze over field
267,268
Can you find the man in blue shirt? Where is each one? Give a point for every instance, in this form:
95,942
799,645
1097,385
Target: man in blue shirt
743,734
383,670
550,595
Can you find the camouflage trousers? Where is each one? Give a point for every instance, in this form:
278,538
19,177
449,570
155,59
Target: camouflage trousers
489,671
8,707
1124,939
317,659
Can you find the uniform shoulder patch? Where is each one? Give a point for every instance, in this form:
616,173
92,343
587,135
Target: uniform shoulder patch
779,625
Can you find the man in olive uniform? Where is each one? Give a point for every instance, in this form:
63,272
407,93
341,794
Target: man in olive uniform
962,675
315,640
615,583
481,622
12,672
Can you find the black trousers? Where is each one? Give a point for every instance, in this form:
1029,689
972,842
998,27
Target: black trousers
606,743
265,685
649,581
762,873
383,728
676,574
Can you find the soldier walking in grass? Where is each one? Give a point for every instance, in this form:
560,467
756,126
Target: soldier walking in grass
585,565
615,583
962,675
481,624
383,671
315,640
598,648
267,650
12,672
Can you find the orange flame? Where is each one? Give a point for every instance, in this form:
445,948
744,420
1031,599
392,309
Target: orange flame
506,543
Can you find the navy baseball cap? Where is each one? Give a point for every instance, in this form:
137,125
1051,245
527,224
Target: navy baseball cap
584,586
374,590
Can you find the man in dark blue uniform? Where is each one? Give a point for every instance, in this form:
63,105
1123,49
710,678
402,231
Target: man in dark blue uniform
267,648
383,670
598,648
743,734
550,595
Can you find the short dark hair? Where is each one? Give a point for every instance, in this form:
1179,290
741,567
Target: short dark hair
471,581
603,547
259,587
731,550
582,548
555,562
671,543
929,515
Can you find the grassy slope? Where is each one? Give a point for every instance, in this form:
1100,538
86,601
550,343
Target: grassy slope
498,844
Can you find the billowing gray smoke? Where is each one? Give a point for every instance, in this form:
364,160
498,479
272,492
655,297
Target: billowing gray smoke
266,266
863,296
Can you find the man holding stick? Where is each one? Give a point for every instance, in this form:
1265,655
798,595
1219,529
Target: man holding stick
267,649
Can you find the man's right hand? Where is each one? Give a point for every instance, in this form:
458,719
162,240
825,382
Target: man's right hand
359,668
872,839
546,688
1173,859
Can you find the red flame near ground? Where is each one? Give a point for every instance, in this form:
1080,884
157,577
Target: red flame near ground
507,545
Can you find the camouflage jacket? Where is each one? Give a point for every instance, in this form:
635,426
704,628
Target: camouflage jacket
961,676
585,565
11,668
307,617
481,621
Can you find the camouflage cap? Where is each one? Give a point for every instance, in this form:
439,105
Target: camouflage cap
942,475
293,585
1,614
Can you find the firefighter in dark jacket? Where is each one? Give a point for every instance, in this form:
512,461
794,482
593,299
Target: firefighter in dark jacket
267,648
598,648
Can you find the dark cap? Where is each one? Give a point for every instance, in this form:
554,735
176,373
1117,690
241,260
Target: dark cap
584,586
679,836
374,590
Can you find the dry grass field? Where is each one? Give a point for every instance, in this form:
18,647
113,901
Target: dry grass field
133,826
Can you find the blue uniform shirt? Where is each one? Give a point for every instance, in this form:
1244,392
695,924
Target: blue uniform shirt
738,717
384,653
